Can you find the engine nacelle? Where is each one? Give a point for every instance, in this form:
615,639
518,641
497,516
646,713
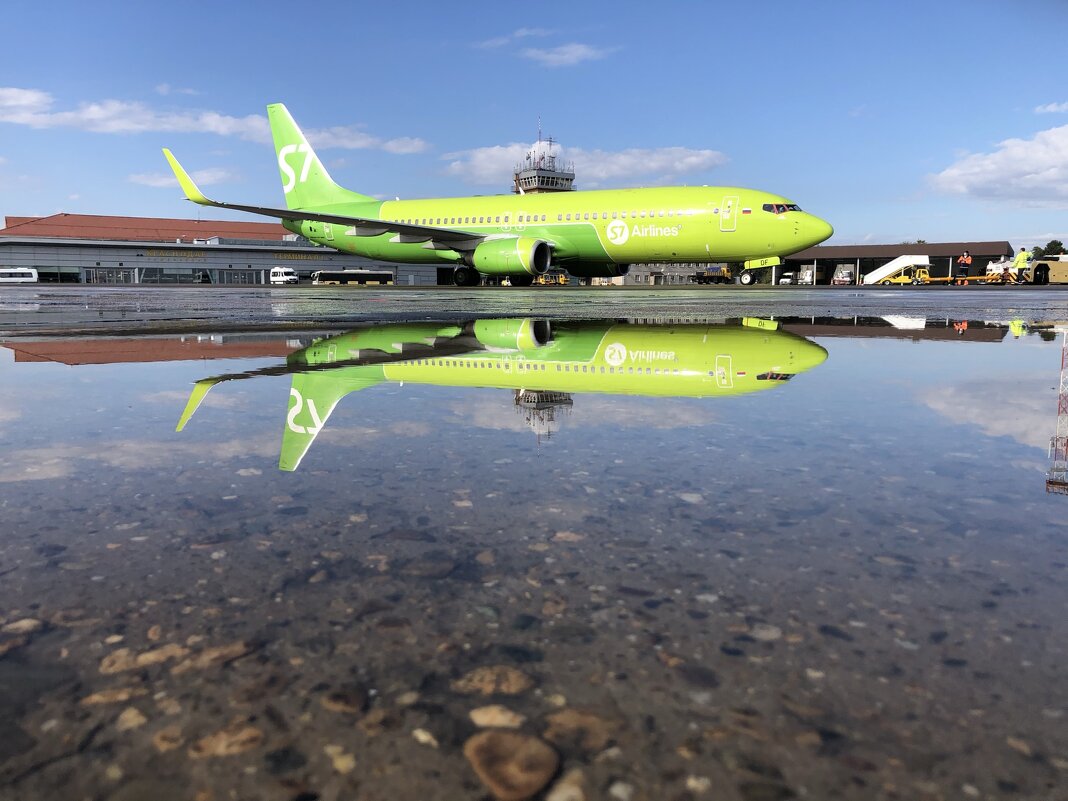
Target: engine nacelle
521,333
597,270
518,256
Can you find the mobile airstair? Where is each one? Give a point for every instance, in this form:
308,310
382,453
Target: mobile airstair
894,267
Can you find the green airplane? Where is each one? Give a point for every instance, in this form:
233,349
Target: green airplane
588,234
529,357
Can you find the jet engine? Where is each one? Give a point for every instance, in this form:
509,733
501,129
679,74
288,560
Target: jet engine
520,333
513,256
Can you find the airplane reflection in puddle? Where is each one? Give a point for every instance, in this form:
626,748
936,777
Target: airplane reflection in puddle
542,362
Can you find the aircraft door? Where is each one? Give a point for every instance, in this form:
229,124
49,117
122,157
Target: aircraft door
724,373
728,214
328,230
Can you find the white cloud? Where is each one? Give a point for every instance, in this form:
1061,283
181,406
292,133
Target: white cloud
166,89
2,161
355,138
521,33
60,461
206,177
34,108
495,164
1031,399
1031,170
566,55
1052,108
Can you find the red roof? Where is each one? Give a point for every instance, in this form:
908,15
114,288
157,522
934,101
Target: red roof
137,229
114,351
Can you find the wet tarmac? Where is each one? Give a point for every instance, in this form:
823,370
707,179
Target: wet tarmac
623,546
73,308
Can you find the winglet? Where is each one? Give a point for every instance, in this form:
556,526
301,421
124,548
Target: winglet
200,391
190,188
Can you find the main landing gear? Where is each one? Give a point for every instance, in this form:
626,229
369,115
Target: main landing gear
466,276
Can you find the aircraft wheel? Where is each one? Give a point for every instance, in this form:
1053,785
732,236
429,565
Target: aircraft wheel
465,276
746,278
521,280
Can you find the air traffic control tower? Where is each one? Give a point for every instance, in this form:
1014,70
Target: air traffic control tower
540,172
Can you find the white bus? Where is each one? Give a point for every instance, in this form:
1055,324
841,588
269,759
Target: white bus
18,275
360,277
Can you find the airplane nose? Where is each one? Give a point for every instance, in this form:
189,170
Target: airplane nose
808,355
817,230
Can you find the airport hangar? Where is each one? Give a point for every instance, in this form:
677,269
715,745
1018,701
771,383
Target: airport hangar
824,260
96,249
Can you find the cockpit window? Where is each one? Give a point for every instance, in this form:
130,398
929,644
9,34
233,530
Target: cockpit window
780,208
775,376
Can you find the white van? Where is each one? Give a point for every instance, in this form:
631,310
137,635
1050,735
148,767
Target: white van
18,275
283,275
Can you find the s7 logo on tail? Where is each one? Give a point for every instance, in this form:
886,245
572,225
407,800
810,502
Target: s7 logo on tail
283,165
296,408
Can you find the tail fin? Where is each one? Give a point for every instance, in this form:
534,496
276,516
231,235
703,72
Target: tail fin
312,398
305,181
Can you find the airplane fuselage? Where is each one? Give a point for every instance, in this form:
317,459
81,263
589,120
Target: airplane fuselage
621,226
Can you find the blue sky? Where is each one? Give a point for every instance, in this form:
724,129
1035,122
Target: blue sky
894,121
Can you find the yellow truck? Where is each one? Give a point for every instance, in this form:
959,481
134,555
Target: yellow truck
1048,270
909,275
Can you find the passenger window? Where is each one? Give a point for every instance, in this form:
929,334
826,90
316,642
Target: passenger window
568,217
543,218
643,213
498,219
615,215
595,215
586,216
661,214
559,217
481,219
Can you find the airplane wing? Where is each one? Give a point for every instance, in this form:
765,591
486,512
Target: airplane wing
405,233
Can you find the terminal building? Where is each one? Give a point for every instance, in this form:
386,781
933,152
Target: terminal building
93,249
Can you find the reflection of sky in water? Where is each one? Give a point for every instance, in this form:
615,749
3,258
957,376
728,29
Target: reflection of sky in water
878,412
862,561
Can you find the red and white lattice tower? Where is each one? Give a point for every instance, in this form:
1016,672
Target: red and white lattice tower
1057,477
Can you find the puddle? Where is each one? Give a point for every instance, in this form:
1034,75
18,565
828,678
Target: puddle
746,560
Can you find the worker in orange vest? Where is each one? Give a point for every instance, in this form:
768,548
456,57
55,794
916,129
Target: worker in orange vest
964,263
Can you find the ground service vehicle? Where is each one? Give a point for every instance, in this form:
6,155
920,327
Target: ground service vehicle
909,275
360,277
843,276
1048,270
720,274
283,275
551,279
18,275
